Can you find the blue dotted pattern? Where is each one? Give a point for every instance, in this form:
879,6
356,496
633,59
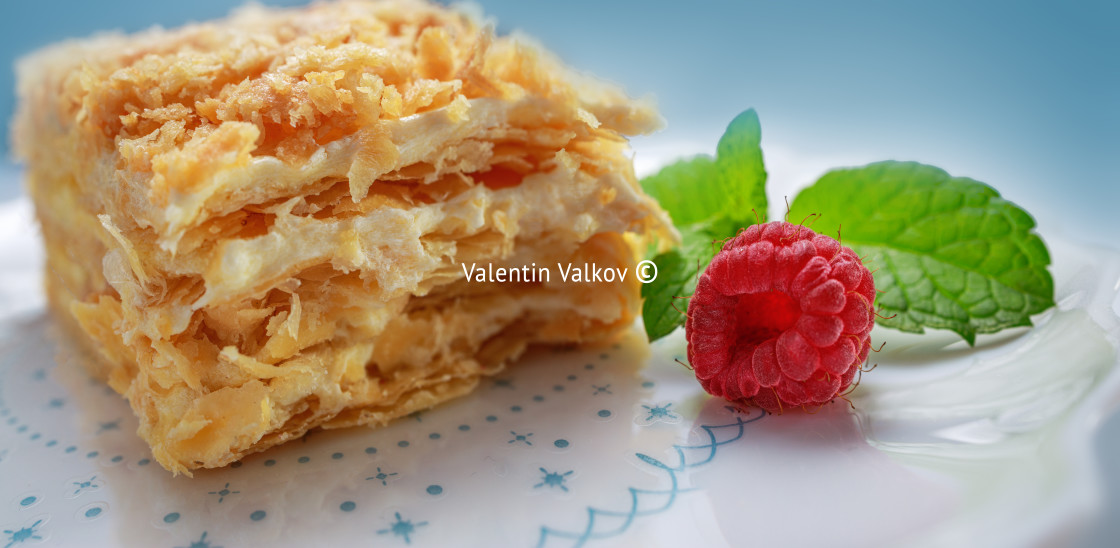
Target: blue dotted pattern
405,527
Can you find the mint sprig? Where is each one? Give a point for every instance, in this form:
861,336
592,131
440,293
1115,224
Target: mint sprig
722,192
709,199
948,252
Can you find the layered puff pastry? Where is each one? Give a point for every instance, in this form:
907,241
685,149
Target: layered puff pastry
260,223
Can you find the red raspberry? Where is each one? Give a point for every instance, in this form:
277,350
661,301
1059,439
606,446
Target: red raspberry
781,317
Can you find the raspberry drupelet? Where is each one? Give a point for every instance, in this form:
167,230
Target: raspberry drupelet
781,318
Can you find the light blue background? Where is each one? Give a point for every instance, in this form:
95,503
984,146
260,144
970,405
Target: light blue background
1022,95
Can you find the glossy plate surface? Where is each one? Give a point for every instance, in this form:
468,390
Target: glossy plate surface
605,446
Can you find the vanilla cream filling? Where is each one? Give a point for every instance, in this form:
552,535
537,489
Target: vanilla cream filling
266,177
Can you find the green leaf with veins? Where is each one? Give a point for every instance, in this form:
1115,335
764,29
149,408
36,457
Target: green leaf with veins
947,252
677,272
709,199
732,185
690,190
742,172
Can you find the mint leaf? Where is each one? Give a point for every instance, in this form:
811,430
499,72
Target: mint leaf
690,190
677,272
709,199
947,252
673,279
741,170
732,185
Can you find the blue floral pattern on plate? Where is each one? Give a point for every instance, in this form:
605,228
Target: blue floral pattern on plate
553,436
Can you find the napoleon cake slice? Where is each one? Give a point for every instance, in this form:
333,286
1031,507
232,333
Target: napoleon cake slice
260,224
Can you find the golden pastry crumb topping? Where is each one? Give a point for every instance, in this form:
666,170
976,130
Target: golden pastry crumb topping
259,223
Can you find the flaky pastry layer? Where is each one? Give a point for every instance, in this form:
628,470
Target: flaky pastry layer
260,223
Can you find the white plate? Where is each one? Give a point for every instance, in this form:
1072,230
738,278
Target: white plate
609,446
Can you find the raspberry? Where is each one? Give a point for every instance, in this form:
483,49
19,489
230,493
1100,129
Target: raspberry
781,317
